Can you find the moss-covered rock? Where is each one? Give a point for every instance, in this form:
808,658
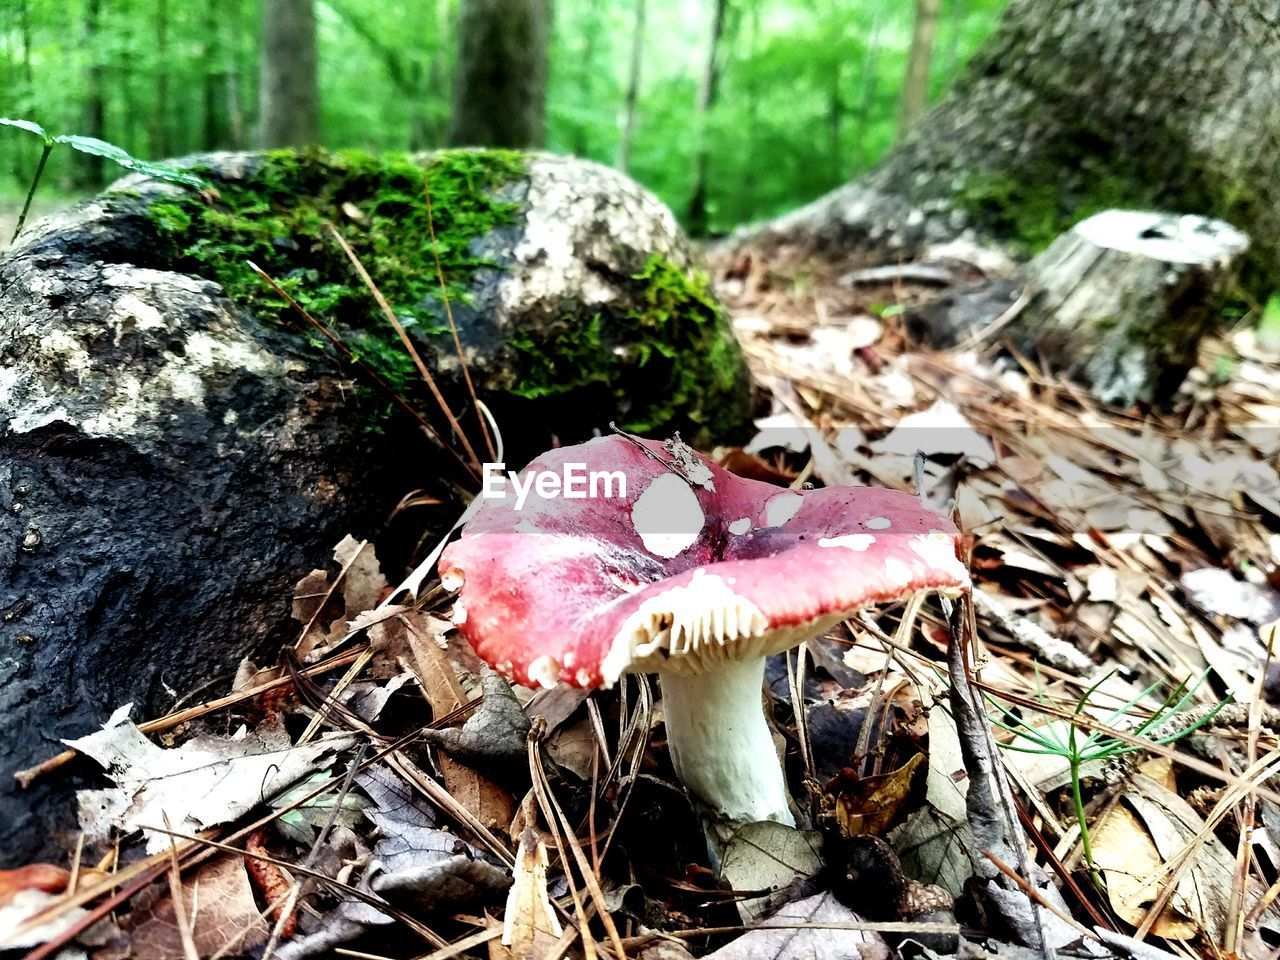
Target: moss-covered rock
178,447
575,297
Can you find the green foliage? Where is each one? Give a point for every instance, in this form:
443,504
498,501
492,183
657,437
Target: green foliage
1269,325
276,218
1038,211
93,147
1078,745
117,155
808,92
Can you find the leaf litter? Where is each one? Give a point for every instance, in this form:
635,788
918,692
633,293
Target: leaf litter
1125,552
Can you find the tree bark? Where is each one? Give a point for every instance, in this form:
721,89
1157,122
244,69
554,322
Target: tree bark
232,77
697,220
89,169
915,87
288,93
633,89
213,81
1119,303
159,132
500,81
1072,108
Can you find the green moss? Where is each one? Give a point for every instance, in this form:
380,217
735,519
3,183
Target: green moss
1035,212
276,216
670,344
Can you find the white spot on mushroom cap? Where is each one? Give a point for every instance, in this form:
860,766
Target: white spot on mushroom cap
459,615
938,550
740,526
851,541
878,523
452,581
782,508
544,671
668,516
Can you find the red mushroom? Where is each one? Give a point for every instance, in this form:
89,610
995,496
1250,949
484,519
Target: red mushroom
692,573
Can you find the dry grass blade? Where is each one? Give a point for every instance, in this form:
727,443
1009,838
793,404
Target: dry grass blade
27,777
439,796
560,826
408,344
1091,725
209,847
181,920
453,327
350,357
1176,866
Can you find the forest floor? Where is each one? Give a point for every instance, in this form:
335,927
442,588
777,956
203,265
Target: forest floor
1125,588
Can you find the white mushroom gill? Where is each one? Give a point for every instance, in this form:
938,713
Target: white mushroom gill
720,743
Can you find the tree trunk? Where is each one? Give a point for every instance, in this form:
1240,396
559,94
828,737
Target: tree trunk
915,87
870,79
232,78
633,89
1119,303
159,126
288,94
500,82
214,80
1072,108
89,169
697,219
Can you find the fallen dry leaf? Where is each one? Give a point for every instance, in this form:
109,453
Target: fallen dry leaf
219,906
36,876
205,782
784,935
871,804
1130,863
530,926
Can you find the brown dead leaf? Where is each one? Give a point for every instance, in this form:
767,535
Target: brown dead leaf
491,804
736,460
1127,856
310,595
363,582
219,905
529,925
36,876
869,805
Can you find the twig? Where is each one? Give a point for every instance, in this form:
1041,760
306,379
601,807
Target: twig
408,344
350,357
29,776
996,325
1058,653
988,801
181,920
448,312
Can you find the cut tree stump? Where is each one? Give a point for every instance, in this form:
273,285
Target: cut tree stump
1119,303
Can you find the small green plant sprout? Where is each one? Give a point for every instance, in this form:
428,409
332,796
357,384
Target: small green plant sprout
97,148
1269,325
1074,742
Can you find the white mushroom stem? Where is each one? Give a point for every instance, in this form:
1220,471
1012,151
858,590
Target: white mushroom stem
720,742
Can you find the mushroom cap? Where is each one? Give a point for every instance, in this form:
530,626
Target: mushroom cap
690,567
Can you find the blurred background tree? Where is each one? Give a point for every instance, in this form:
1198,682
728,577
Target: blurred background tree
730,110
